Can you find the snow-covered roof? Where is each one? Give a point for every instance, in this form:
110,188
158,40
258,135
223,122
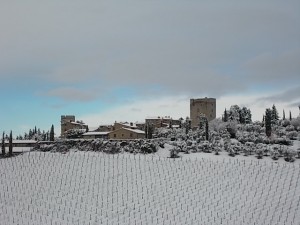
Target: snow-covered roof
158,117
76,123
22,141
91,129
153,117
134,130
133,125
95,133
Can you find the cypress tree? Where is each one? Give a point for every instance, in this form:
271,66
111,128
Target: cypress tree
150,131
10,147
3,145
146,131
268,122
290,115
52,133
283,115
206,129
274,115
225,116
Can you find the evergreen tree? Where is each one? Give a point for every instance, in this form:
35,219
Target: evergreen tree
3,145
268,122
150,131
146,130
47,136
52,133
234,113
245,115
291,116
206,129
30,134
87,129
248,118
10,147
274,115
283,115
225,116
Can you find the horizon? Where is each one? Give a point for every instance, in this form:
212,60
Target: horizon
123,61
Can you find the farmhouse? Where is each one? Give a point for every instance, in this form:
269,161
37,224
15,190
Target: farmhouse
126,133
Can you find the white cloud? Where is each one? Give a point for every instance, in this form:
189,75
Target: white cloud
178,106
71,94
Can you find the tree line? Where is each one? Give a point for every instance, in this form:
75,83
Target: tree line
34,134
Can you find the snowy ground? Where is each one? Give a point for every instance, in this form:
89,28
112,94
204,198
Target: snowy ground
96,188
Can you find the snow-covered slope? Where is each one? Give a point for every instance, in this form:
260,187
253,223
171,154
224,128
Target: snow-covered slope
96,188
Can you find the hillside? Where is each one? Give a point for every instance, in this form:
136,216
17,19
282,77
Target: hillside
96,188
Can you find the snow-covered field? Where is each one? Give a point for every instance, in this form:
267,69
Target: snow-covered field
96,188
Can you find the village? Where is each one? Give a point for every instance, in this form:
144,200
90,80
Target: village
70,128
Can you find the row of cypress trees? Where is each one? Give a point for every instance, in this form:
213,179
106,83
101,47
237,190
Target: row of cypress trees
10,144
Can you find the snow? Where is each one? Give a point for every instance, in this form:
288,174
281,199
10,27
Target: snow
95,133
22,141
134,130
97,188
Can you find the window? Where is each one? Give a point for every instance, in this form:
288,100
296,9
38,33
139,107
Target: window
131,135
115,135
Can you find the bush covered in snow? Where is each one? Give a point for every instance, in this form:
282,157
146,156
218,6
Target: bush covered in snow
107,146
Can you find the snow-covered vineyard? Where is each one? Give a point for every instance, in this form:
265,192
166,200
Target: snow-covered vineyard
97,188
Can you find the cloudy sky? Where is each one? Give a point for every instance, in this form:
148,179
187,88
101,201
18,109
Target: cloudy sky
125,60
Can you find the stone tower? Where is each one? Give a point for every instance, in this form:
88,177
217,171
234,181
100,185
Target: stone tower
206,106
65,123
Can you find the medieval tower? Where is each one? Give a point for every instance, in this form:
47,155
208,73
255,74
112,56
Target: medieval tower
65,123
206,106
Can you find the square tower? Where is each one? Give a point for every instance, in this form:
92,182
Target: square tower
206,106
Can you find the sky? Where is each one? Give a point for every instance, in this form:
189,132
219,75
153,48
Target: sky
106,61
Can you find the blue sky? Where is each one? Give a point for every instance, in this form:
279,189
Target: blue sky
125,60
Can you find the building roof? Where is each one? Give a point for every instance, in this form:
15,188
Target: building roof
76,123
135,130
22,141
131,130
95,133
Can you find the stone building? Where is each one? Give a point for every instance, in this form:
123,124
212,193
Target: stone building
206,106
68,122
126,133
164,121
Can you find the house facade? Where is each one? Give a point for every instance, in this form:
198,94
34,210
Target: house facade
95,135
124,133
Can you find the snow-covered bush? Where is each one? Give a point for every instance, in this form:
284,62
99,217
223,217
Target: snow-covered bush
296,123
275,153
290,128
232,128
285,123
74,133
174,153
289,154
292,135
